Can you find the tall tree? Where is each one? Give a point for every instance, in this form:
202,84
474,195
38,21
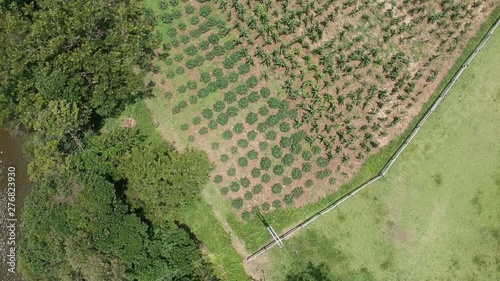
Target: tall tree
82,57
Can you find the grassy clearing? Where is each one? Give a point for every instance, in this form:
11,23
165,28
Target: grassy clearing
434,216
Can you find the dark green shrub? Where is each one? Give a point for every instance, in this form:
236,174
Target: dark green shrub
168,95
234,149
248,195
296,148
278,170
287,181
232,77
227,135
232,111
207,113
231,172
203,131
243,69
179,70
255,210
265,92
212,87
265,206
285,127
243,161
251,135
322,162
252,154
253,97
241,89
257,189
182,89
178,58
285,142
309,183
190,138
175,43
306,155
191,85
212,125
189,9
276,188
205,11
255,173
219,106
224,158
234,186
271,135
272,120
243,103
265,178
218,179
163,4
306,167
277,204
261,127
265,163
316,149
274,103
184,38
213,39
202,93
252,81
217,72
296,174
194,20
221,83
287,160
297,192
170,74
246,216
242,143
184,127
196,120
263,145
204,77
251,118
191,50
245,182
182,26
276,151
288,199
215,145
323,174
229,97
237,203
263,110
193,99
238,128
219,50
224,191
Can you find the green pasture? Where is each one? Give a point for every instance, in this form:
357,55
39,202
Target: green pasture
435,215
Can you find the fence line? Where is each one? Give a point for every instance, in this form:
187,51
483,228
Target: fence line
394,157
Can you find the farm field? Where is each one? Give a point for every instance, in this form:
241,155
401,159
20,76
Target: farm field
435,215
289,115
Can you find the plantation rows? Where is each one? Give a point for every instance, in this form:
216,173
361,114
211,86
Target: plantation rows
289,97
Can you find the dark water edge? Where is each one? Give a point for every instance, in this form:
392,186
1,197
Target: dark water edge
13,167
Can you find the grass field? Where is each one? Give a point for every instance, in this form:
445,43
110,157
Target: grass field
435,216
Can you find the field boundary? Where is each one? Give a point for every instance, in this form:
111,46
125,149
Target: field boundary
394,157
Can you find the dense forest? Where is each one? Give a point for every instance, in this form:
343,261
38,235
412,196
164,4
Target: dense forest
106,203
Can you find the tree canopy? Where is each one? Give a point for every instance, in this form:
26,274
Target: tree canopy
80,58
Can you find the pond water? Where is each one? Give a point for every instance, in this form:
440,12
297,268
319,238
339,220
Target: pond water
14,186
